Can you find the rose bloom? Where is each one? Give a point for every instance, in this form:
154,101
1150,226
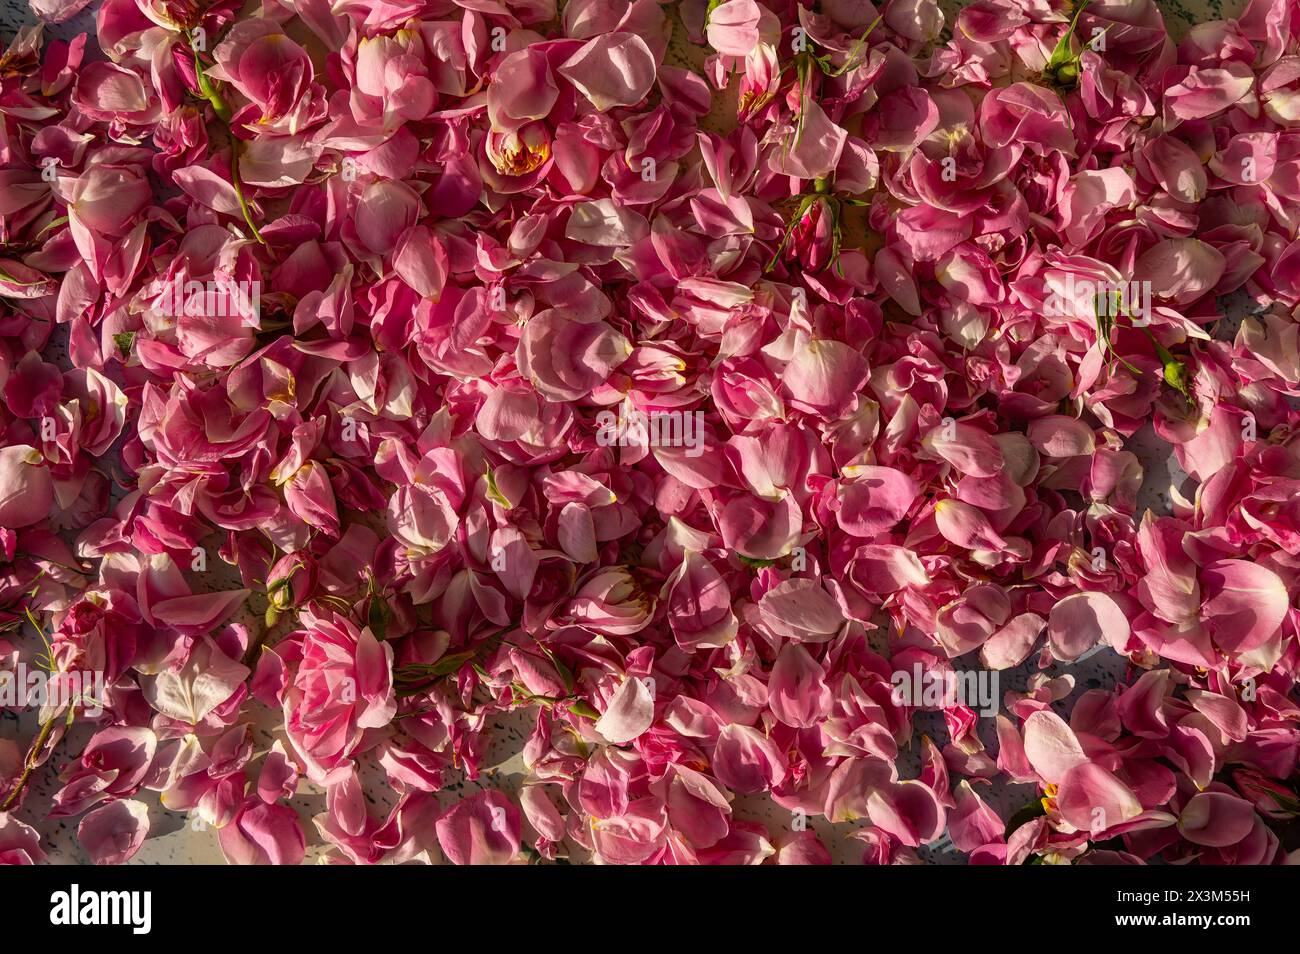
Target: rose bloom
812,242
101,632
343,686
612,602
519,157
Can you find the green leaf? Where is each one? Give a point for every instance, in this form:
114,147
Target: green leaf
1024,815
494,492
578,707
451,663
1061,55
124,340
378,616
421,672
1290,805
8,279
1176,374
51,225
566,674
1063,65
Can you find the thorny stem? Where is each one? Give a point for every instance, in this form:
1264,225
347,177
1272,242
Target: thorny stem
803,67
29,765
34,752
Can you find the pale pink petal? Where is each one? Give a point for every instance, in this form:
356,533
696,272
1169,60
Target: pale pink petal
112,833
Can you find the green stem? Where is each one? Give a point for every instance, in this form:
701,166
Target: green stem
850,61
239,190
224,113
210,93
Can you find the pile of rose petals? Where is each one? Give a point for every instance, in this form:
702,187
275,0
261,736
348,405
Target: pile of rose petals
901,297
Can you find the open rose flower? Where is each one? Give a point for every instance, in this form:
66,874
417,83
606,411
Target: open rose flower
342,685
